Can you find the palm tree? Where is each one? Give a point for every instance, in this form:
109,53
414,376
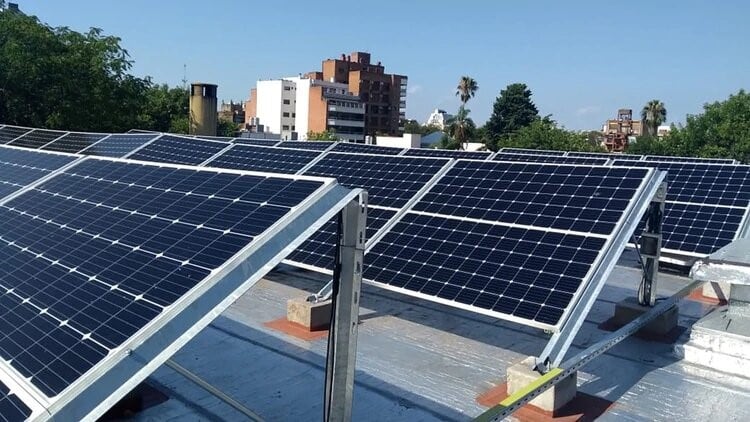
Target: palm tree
460,127
466,88
653,114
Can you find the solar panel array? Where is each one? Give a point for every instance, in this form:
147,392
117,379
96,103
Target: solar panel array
610,155
316,145
257,142
391,182
559,159
275,160
95,255
19,167
9,133
74,142
533,151
366,149
705,207
447,153
179,150
36,138
119,144
689,159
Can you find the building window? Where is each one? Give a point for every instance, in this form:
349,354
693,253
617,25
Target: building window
285,127
293,128
285,114
286,102
287,88
294,114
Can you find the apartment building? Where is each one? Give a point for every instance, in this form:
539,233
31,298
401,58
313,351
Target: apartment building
383,94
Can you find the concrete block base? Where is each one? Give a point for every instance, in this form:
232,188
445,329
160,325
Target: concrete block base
716,290
314,316
520,375
720,341
629,309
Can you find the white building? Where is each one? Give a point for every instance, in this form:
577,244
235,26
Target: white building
275,106
438,118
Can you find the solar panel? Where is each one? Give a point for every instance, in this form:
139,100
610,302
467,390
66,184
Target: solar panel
11,407
316,145
108,266
215,138
275,160
689,159
178,150
37,138
449,153
533,151
20,167
318,251
534,158
366,149
9,133
74,142
705,205
118,144
515,241
613,156
257,142
390,180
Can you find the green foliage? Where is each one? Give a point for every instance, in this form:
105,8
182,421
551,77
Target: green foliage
722,130
545,134
62,79
413,126
512,110
466,89
460,127
322,136
446,142
653,114
226,128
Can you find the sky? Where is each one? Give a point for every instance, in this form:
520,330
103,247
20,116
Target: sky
583,60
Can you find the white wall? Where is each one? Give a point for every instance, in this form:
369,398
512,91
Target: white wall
268,108
408,140
302,105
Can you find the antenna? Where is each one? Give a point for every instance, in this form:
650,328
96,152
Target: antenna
184,77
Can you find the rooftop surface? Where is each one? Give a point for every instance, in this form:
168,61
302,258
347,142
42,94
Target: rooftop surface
419,361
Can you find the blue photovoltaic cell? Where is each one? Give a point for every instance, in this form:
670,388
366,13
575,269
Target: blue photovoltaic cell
366,149
316,145
178,150
19,168
713,184
585,199
11,407
529,158
448,153
320,249
215,138
119,145
701,229
612,156
74,142
106,246
9,133
390,180
257,142
480,237
36,138
269,159
689,159
533,151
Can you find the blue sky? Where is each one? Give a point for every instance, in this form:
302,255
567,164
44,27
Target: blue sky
582,59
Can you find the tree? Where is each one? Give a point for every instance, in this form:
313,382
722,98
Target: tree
545,134
722,130
466,89
412,126
460,127
165,108
653,114
322,136
226,128
512,111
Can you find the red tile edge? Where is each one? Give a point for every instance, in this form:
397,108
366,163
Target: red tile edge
295,330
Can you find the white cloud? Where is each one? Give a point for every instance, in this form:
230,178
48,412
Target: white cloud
413,89
583,111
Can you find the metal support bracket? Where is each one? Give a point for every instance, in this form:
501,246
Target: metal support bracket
650,247
342,337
